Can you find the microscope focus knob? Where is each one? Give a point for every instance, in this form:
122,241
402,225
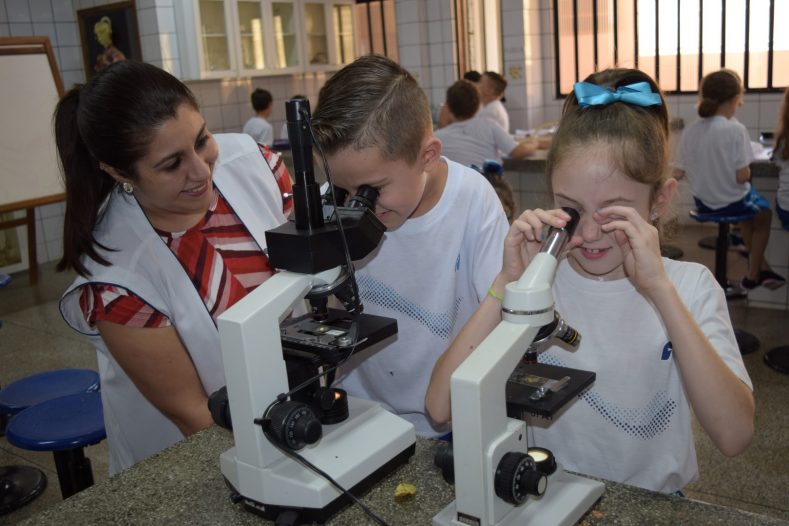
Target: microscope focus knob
516,477
295,425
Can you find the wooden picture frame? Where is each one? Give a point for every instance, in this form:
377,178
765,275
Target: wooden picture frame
108,33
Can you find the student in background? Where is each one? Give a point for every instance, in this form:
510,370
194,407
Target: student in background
445,117
258,126
445,228
473,139
494,173
715,153
491,88
164,226
781,158
655,331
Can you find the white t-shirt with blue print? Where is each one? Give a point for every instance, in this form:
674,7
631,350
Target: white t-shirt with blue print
633,425
430,274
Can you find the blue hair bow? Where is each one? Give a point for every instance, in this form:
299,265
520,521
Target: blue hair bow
638,94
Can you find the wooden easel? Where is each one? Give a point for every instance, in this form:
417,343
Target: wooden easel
29,176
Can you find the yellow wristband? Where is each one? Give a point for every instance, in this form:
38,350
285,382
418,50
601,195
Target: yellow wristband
492,294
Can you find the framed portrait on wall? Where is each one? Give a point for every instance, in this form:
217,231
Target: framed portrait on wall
108,34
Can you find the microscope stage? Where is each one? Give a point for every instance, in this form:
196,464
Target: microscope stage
527,379
332,339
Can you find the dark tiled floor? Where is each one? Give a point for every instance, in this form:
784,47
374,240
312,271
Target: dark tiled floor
33,338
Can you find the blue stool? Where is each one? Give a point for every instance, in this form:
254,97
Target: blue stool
24,393
747,342
65,426
41,387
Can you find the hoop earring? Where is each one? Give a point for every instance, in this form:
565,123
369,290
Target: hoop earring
127,187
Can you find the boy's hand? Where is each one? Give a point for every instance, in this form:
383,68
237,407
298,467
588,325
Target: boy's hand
639,243
524,239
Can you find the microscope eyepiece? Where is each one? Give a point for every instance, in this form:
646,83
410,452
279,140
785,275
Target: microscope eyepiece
365,197
558,237
575,217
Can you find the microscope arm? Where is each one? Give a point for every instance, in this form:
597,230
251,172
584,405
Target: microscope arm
252,357
482,432
481,429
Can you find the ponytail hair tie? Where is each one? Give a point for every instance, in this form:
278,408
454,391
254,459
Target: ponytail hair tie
637,94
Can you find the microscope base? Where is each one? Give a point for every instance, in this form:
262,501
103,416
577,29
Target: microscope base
565,501
322,515
356,453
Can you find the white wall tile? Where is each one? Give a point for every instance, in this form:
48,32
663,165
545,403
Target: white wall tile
151,47
20,29
407,34
68,35
46,29
63,11
166,19
407,11
70,57
146,20
41,11
18,11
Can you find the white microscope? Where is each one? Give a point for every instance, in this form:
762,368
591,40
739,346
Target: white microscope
354,442
498,480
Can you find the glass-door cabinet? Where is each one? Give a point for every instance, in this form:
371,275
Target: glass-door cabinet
252,48
328,34
284,17
247,38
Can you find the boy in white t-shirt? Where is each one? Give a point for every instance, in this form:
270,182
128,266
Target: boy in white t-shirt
445,228
491,89
258,126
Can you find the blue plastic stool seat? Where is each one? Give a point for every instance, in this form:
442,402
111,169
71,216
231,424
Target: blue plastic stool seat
747,342
718,218
41,387
64,426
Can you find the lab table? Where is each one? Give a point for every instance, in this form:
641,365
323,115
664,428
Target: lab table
183,485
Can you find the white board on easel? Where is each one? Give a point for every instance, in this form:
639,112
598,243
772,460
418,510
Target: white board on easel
30,88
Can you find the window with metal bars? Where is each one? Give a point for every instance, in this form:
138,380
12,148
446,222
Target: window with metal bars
376,28
677,42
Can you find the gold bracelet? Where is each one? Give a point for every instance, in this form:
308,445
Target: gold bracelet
492,294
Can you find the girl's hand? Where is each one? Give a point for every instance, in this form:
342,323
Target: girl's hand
639,243
524,239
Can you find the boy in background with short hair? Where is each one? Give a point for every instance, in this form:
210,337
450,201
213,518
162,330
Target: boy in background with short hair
445,228
491,89
258,126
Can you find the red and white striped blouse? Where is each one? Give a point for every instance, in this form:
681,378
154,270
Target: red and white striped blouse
219,255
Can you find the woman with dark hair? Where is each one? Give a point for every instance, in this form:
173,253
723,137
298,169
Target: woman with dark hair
164,226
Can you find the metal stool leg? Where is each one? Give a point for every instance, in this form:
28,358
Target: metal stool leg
746,341
74,471
721,264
